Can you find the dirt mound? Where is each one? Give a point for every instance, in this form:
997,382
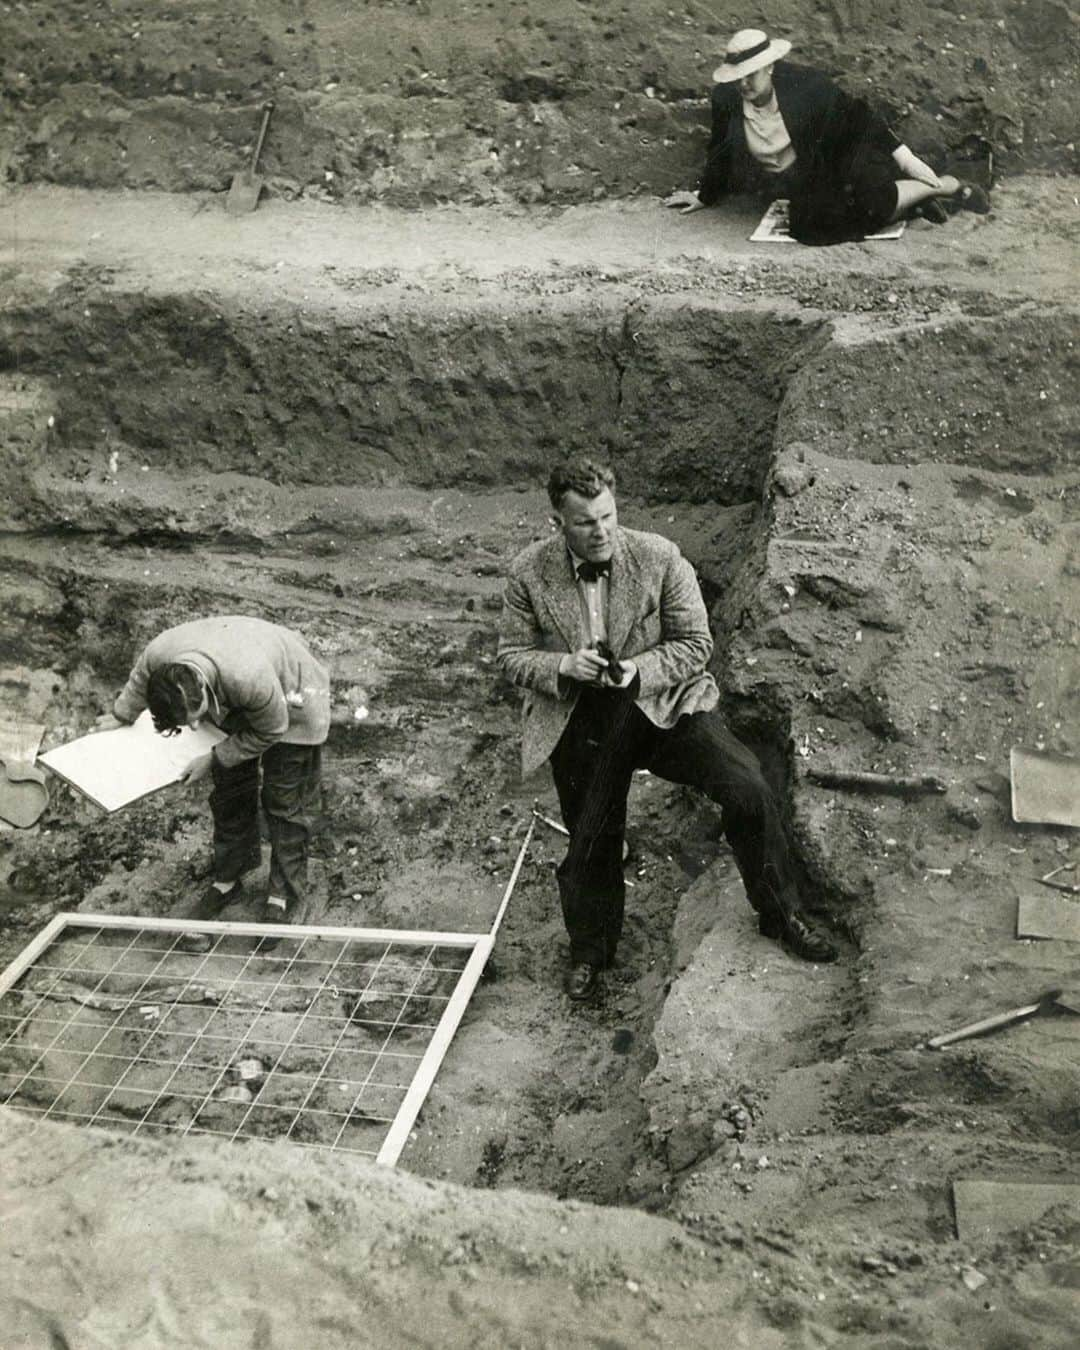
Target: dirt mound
419,104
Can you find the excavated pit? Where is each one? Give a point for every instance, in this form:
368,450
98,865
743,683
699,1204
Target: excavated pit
364,480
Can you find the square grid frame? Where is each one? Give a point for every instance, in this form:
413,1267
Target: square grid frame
475,948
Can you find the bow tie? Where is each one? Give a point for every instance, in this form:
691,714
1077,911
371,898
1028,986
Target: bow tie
589,571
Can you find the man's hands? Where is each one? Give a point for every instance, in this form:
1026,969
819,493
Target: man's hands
197,770
589,667
586,666
685,201
913,167
628,670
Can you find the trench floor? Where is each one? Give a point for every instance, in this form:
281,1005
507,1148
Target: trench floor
424,807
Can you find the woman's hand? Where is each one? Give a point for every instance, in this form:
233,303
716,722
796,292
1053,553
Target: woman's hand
685,201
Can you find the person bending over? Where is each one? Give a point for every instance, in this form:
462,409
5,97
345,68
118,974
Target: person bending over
261,685
606,631
790,130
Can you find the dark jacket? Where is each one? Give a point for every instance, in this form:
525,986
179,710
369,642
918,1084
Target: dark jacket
830,133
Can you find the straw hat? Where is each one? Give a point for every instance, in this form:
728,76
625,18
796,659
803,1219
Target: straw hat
749,50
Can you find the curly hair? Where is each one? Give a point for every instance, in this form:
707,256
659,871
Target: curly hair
588,477
173,693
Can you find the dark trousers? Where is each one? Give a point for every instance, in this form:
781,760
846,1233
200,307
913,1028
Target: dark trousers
290,801
606,739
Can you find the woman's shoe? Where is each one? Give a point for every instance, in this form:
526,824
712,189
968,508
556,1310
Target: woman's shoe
969,197
931,210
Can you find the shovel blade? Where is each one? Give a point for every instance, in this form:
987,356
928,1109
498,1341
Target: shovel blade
1069,999
23,794
243,193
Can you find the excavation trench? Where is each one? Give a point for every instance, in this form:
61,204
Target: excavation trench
365,481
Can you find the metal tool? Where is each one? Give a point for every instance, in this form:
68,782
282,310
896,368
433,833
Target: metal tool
551,824
246,184
561,829
614,666
1053,998
24,793
1067,886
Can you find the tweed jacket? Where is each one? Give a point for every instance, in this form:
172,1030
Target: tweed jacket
656,618
826,125
264,685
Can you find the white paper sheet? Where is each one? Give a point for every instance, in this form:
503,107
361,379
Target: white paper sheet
773,228
115,768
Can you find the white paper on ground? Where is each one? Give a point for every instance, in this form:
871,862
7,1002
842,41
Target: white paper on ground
115,768
773,228
1045,787
1048,916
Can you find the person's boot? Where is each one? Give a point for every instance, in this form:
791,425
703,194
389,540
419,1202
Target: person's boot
582,982
213,900
275,910
798,935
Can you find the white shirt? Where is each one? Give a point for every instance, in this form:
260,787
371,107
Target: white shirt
767,138
594,602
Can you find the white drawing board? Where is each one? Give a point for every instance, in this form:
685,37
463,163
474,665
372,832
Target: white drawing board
116,768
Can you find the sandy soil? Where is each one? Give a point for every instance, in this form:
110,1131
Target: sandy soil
417,103
338,418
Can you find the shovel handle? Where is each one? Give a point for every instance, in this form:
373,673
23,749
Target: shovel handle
987,1024
1066,886
268,108
553,824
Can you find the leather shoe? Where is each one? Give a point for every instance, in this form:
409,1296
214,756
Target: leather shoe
800,937
296,913
212,901
972,197
582,982
933,211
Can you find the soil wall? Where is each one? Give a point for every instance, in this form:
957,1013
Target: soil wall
686,398
565,100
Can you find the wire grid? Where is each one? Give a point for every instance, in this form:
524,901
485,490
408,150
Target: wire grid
312,1039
